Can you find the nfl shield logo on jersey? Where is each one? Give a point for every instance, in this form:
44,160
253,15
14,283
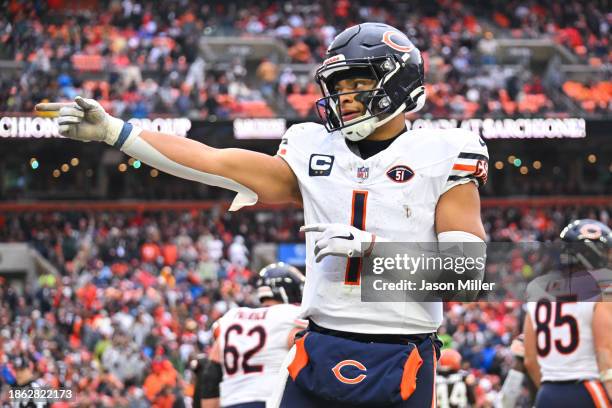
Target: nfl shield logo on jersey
363,173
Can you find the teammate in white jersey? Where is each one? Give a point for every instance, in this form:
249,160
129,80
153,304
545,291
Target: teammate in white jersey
568,342
362,179
251,343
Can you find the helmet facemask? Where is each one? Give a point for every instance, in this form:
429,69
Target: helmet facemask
589,245
281,282
382,103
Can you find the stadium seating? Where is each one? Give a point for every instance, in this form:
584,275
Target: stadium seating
154,48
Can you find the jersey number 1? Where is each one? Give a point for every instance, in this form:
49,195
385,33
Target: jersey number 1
352,275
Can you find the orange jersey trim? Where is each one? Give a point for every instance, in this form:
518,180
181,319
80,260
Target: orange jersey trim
464,167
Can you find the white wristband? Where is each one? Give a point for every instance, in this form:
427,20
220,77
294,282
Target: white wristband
115,129
120,131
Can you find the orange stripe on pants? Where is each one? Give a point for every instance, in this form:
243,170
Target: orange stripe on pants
598,394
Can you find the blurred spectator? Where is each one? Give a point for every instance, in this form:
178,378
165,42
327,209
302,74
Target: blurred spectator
487,46
300,52
267,73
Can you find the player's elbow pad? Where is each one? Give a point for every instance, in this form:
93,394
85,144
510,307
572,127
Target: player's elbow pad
138,148
211,376
469,253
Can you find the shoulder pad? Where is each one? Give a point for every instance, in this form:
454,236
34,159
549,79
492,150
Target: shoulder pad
306,129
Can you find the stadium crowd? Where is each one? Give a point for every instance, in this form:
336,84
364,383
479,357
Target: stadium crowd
136,294
140,59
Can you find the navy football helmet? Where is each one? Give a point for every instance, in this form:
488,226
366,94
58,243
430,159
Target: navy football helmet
280,281
376,51
590,243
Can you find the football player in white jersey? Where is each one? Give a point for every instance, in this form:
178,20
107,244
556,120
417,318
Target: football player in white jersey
362,179
454,386
251,343
568,342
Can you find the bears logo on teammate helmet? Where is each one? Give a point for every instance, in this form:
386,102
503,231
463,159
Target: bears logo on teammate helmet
590,243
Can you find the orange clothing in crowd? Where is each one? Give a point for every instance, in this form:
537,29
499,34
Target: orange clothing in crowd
149,252
170,254
163,374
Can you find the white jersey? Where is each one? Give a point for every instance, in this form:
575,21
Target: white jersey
253,344
564,339
452,391
392,194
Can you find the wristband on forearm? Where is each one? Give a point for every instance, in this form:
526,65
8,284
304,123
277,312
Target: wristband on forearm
126,131
130,142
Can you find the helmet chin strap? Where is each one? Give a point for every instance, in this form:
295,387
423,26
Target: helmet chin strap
361,130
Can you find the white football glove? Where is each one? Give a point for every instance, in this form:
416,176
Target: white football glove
341,240
84,120
518,347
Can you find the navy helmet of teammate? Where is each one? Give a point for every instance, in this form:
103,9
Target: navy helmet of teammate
585,251
251,343
281,282
568,352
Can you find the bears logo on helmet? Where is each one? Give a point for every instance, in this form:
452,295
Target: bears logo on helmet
589,243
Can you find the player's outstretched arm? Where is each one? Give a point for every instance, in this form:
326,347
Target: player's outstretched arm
270,177
531,359
252,175
602,327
